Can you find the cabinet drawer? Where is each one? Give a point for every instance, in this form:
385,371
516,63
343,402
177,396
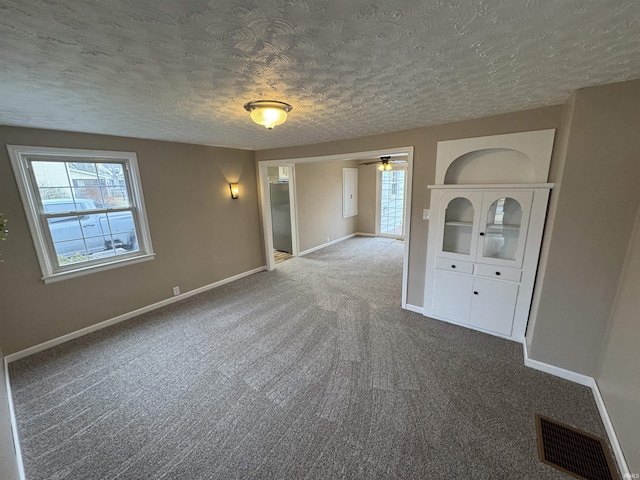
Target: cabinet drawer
501,273
454,266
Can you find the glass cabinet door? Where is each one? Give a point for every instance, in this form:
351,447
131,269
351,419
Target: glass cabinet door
459,224
503,227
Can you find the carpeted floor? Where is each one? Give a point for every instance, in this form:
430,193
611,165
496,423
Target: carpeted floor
310,371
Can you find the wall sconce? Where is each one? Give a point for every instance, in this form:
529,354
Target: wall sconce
233,187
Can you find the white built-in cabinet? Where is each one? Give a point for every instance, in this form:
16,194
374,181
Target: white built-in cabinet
484,239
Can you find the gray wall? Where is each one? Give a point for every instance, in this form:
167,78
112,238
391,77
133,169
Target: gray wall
618,378
319,203
367,198
594,216
424,140
200,235
8,462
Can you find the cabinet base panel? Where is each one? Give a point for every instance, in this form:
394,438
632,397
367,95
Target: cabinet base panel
472,327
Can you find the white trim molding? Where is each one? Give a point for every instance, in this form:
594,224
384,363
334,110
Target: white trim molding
602,408
14,424
556,371
413,308
125,316
611,432
323,245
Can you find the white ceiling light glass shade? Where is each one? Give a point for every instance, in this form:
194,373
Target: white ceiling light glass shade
268,112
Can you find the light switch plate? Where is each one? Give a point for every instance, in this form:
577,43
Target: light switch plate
425,214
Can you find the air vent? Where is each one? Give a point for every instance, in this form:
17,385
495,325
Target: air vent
577,453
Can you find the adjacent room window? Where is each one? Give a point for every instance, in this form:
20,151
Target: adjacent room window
85,209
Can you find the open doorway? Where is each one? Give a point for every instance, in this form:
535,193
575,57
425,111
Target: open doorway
281,200
401,155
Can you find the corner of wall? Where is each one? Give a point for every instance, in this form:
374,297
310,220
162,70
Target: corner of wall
556,170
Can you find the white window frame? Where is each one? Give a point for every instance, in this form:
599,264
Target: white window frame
22,156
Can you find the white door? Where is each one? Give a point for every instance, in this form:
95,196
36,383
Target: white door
391,202
459,221
493,304
503,227
452,296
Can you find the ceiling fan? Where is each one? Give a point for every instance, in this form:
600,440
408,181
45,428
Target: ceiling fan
385,163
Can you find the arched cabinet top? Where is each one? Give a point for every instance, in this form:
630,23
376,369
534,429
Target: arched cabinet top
515,158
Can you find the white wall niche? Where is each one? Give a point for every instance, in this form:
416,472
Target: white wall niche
514,158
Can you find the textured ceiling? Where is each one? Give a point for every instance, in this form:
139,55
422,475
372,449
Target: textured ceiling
181,70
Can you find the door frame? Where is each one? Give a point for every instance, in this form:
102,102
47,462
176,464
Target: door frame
265,209
265,201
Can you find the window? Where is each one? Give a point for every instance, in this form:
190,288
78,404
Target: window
85,209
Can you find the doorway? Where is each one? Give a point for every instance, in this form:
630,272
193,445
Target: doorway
280,196
265,200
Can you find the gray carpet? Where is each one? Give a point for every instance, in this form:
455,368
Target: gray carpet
311,371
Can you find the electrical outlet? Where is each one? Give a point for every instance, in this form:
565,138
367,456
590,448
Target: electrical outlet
328,240
176,291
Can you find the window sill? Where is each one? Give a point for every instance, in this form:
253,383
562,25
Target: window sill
78,272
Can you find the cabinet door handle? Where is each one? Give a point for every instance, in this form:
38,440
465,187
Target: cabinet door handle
497,273
475,293
453,266
482,234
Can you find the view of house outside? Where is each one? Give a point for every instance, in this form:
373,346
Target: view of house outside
101,182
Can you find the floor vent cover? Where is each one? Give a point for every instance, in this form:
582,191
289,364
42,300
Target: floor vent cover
574,452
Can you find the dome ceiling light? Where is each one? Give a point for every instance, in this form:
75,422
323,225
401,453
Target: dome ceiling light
268,112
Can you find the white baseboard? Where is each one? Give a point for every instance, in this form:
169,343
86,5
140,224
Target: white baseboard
362,234
611,432
557,371
602,408
125,316
319,247
413,308
14,424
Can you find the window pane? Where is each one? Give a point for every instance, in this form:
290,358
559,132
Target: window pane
458,226
122,229
71,252
91,193
113,185
58,205
51,175
64,229
503,229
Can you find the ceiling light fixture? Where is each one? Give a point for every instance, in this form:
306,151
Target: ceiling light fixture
268,112
384,164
